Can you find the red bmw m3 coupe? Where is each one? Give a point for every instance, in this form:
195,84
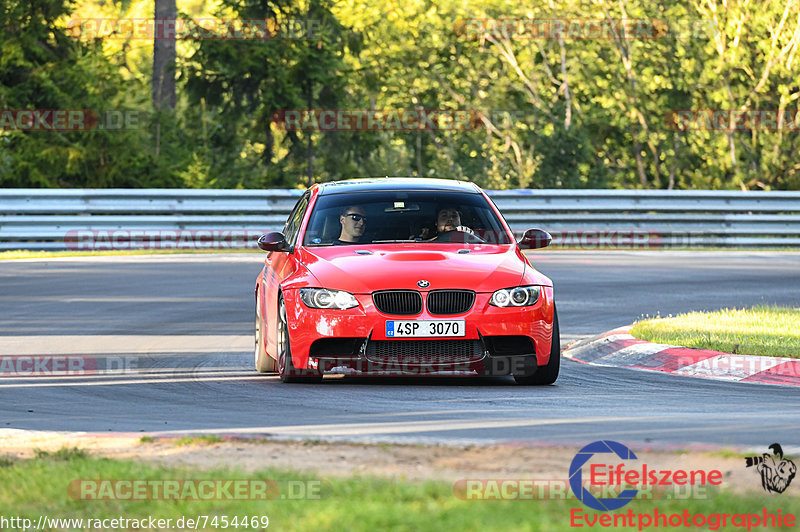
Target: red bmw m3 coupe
403,276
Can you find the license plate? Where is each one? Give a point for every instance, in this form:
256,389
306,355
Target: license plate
424,328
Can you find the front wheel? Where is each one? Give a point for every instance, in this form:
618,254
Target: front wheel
286,369
264,362
548,373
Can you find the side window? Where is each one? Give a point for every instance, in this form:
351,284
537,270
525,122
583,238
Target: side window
295,218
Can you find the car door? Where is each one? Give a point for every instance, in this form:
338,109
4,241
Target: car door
279,266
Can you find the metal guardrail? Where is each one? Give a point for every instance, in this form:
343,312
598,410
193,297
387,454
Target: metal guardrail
54,218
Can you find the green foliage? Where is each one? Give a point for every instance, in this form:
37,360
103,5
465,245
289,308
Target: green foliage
239,85
64,454
44,68
568,160
549,112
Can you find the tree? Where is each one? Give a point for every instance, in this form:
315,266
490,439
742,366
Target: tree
44,67
245,82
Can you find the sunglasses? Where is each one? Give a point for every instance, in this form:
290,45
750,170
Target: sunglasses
357,217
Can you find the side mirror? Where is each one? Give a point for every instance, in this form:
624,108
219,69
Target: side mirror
535,239
274,241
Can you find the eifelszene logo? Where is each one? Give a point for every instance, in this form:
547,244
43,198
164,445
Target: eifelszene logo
576,476
609,473
776,471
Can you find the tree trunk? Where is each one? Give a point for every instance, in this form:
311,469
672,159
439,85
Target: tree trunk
309,160
309,89
418,150
164,39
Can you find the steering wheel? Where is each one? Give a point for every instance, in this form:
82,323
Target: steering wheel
462,233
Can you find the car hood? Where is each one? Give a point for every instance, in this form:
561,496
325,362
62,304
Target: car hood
483,269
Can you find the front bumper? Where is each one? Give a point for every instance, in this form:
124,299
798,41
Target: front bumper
511,340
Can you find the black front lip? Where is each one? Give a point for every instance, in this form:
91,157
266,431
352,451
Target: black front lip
486,364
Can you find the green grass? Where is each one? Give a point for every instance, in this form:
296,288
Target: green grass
25,254
761,330
730,453
40,487
64,454
206,439
203,439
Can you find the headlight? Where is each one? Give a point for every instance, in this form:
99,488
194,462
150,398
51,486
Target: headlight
521,296
324,298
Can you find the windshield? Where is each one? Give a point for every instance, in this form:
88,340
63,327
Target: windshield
423,217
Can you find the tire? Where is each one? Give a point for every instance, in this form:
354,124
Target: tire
264,362
548,373
286,370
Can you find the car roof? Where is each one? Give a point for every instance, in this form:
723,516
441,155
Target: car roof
397,183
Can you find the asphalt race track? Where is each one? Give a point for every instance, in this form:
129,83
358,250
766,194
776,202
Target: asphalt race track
164,344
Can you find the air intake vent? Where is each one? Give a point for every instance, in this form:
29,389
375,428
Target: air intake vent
443,302
398,302
424,351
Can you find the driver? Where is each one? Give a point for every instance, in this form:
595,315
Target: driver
448,219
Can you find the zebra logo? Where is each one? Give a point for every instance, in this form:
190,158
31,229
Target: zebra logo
776,471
